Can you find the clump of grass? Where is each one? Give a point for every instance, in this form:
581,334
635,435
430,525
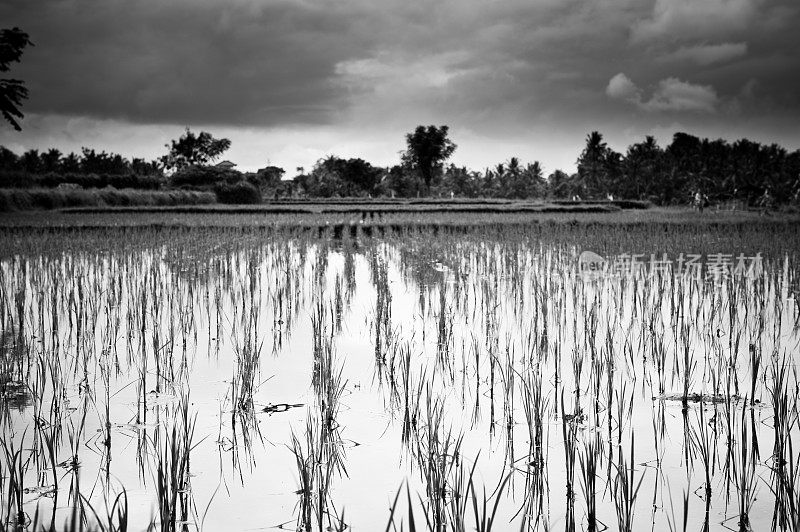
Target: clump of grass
743,465
465,495
784,474
625,490
173,488
317,466
438,454
13,468
589,459
569,437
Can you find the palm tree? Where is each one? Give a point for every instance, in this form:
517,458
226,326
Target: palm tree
12,91
592,163
51,160
642,170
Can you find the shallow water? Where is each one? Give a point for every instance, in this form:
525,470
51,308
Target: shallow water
397,356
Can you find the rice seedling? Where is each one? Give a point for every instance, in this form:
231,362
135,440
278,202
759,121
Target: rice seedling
317,464
784,421
588,461
13,472
172,470
569,433
535,408
626,489
464,497
744,475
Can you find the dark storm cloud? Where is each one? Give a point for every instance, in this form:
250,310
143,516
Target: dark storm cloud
185,61
741,51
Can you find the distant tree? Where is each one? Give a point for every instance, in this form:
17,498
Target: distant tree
31,162
51,160
93,162
562,185
513,180
191,149
333,176
8,159
508,175
613,173
360,176
598,166
492,181
791,175
777,174
203,177
461,182
427,150
715,169
643,171
267,178
70,164
12,91
325,179
400,181
140,166
522,182
531,183
237,192
684,160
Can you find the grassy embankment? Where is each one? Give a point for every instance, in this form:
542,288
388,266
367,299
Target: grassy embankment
109,198
385,213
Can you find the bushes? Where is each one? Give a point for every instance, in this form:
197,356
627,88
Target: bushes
20,179
230,186
40,199
24,191
240,192
203,176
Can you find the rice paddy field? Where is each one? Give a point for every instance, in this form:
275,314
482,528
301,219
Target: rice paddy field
409,371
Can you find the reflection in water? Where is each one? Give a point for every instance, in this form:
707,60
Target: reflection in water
241,380
15,392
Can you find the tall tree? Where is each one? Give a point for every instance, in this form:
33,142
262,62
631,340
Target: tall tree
512,180
532,183
461,182
685,162
51,160
593,164
193,149
8,159
399,181
269,176
31,162
427,150
558,184
563,185
333,176
140,166
642,171
12,91
103,163
70,164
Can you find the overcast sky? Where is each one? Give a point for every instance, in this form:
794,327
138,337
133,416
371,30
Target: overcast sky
291,81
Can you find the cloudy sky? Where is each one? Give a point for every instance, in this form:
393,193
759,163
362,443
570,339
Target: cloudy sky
290,81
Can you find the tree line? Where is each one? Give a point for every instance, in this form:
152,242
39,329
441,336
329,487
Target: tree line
743,171
740,171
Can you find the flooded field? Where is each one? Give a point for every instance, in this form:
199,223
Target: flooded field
401,377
